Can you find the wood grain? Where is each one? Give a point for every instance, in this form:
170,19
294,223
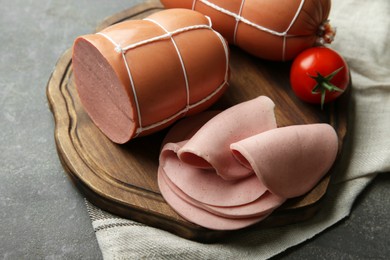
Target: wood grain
122,179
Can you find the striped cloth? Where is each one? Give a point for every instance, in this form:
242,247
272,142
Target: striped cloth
363,38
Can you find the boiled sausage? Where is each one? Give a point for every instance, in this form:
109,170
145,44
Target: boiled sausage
270,29
137,77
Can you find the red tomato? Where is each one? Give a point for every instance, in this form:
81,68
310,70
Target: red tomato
319,75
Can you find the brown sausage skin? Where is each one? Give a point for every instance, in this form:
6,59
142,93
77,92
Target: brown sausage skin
269,29
137,77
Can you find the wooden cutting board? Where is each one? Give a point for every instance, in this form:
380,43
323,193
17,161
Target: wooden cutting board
122,179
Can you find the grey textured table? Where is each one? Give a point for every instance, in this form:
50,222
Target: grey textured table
42,215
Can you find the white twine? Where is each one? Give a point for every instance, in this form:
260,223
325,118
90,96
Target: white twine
169,35
239,18
181,61
238,21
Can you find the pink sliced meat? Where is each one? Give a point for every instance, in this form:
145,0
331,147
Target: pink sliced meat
202,217
204,185
260,207
210,146
229,170
264,205
289,160
188,126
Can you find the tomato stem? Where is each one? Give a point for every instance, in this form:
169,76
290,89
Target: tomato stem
323,84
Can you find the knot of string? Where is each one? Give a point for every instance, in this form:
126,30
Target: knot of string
118,49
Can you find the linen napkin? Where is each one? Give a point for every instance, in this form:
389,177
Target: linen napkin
363,38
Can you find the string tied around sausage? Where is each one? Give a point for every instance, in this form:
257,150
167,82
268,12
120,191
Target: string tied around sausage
168,35
239,18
